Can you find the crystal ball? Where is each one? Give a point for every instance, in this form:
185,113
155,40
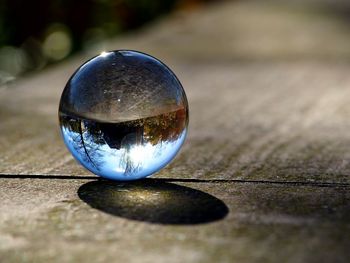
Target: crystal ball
123,115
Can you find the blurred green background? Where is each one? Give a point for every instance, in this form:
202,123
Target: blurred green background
37,33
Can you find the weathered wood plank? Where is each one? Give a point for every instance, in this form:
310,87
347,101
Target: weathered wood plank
287,122
259,120
46,221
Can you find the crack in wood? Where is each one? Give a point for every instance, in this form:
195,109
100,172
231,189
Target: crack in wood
189,180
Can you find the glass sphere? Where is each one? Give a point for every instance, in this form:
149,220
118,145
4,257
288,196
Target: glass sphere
123,115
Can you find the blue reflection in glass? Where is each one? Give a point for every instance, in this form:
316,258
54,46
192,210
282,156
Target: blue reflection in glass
123,115
131,157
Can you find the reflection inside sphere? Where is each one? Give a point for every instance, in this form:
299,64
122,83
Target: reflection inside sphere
123,115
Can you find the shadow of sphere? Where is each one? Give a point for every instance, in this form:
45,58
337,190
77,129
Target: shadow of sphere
153,201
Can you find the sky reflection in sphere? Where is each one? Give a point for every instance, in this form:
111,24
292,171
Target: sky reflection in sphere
123,115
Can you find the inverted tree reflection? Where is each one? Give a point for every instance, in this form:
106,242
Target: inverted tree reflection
127,145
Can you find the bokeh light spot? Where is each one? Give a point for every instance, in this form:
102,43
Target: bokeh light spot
57,44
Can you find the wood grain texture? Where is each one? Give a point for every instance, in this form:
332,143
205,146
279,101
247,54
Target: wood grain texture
267,223
269,89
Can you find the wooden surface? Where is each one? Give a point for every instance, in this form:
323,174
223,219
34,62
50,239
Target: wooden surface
262,177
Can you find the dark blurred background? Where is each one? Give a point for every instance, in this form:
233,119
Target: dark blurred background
37,33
